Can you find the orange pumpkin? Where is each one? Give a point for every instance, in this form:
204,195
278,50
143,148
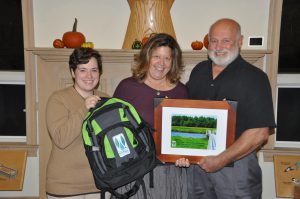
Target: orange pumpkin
144,40
73,39
205,41
197,45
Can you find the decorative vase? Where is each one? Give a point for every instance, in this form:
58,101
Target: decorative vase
148,16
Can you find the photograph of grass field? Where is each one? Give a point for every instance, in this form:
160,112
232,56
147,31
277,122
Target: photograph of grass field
193,132
192,129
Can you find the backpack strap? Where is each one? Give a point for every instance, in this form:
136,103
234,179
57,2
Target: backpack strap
102,194
95,147
134,189
151,179
130,116
91,134
144,189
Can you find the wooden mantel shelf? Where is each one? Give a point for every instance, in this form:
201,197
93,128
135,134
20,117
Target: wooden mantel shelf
268,154
31,149
126,56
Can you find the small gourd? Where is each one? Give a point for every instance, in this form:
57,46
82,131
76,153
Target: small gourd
87,45
136,44
58,43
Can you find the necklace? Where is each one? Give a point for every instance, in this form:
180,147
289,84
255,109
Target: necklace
156,86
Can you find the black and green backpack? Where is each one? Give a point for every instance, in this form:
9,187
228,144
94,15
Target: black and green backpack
119,146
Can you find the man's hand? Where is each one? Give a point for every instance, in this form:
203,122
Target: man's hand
249,141
211,163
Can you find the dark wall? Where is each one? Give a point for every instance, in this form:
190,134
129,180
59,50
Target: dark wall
12,114
289,50
11,35
288,114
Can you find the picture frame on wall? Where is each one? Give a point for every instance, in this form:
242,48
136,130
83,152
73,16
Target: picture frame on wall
287,175
192,128
12,169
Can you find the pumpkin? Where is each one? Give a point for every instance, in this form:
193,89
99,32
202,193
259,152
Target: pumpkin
58,43
73,39
144,40
205,41
87,45
197,45
136,44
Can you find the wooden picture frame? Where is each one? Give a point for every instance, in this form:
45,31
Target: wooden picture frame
287,175
12,169
191,144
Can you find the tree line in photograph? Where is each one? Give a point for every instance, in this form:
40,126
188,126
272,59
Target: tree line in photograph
194,121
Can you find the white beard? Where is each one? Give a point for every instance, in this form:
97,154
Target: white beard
223,60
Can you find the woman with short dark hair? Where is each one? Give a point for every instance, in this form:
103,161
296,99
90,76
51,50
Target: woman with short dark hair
68,170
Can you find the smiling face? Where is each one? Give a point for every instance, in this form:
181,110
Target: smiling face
160,64
86,77
225,42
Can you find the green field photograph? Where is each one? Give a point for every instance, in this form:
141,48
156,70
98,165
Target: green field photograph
193,132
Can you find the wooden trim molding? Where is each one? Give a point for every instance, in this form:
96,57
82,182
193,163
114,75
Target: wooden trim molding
31,149
268,154
272,62
28,35
19,197
127,56
31,144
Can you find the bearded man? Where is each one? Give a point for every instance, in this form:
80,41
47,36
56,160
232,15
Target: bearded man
234,173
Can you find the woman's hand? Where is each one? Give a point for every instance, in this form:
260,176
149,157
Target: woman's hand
182,162
91,101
